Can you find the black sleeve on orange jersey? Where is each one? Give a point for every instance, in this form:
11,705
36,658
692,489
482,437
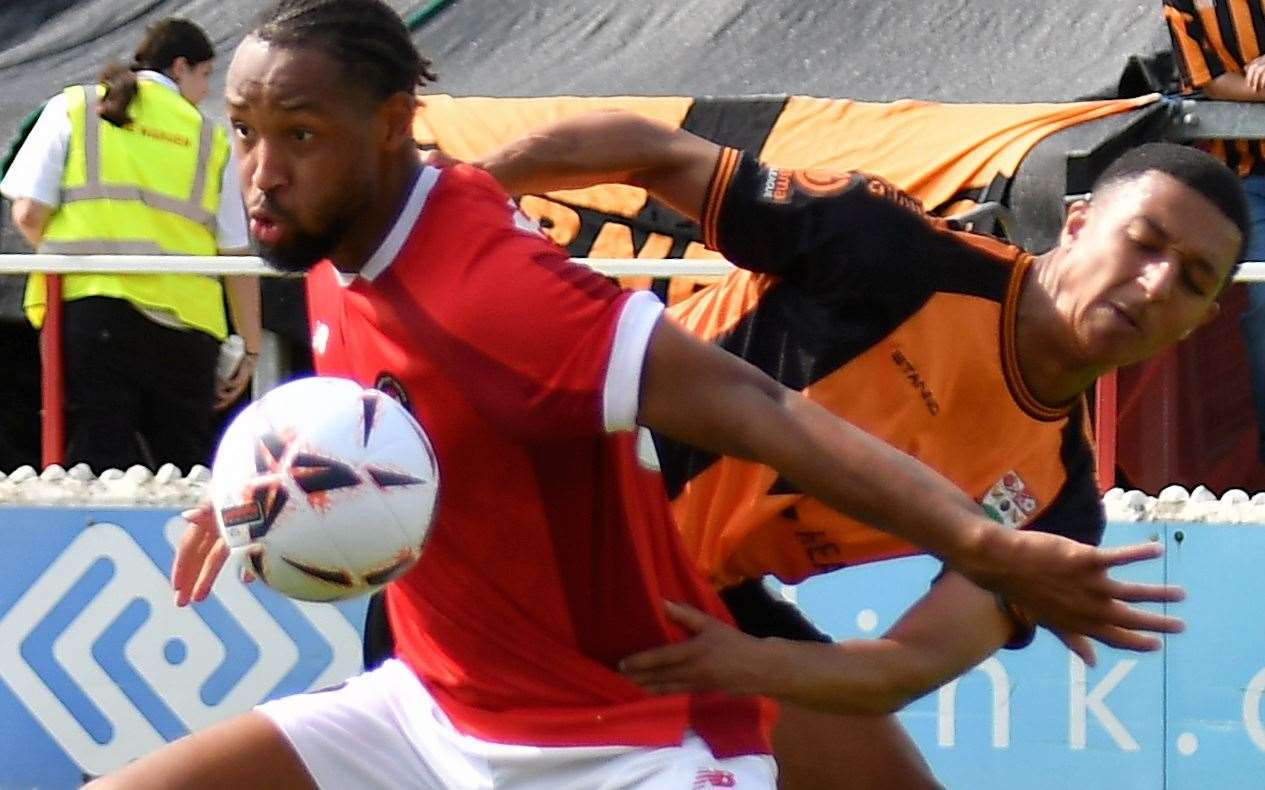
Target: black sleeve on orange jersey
1076,512
841,235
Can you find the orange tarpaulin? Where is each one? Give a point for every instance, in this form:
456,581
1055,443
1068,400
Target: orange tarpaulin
933,151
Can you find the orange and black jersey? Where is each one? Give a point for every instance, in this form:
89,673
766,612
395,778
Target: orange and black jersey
853,295
1215,37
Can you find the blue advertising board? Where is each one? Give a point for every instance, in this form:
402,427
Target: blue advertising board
1216,670
97,666
1187,718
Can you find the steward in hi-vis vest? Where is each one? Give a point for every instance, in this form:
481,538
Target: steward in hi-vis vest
128,166
115,201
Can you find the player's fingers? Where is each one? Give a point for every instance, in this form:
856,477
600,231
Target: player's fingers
200,516
1137,592
194,543
687,616
1135,619
1125,555
1078,644
659,689
658,657
686,674
188,564
1126,639
210,570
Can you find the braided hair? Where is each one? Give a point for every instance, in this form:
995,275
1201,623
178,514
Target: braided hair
365,37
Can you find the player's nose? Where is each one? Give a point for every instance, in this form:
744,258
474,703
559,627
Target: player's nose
268,167
1157,277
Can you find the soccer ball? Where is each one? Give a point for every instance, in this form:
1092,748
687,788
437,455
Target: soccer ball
324,490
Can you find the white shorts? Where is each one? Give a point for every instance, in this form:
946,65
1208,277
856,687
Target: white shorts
382,729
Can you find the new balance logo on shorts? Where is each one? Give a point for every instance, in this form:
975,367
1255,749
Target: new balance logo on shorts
713,777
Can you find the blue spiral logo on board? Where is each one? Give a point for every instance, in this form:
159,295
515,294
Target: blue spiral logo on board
98,653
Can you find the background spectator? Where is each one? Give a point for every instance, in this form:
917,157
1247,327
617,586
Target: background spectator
131,166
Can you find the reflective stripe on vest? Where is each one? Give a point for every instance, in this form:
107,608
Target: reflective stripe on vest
93,188
97,217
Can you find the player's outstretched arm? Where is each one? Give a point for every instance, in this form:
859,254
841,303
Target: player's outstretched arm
705,397
951,629
609,146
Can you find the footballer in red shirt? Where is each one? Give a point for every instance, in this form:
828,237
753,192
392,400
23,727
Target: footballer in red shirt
524,368
553,555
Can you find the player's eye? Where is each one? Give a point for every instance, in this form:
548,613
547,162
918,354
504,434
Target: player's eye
1145,242
301,135
1191,284
241,130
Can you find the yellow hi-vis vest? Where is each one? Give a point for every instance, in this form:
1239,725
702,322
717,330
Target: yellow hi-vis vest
151,188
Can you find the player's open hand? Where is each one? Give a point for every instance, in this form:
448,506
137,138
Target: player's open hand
1064,585
717,657
199,557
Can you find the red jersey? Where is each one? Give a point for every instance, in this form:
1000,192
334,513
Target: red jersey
552,549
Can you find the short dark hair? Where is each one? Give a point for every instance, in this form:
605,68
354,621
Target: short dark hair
1197,169
164,42
366,37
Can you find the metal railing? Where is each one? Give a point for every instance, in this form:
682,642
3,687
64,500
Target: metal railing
271,369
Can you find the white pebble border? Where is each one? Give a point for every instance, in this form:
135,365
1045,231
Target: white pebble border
1175,503
169,487
78,486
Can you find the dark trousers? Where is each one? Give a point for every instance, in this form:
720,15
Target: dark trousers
137,392
19,396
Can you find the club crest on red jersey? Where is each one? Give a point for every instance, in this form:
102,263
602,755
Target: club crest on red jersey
391,387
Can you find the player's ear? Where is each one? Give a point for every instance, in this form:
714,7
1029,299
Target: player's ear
1077,215
395,116
179,69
